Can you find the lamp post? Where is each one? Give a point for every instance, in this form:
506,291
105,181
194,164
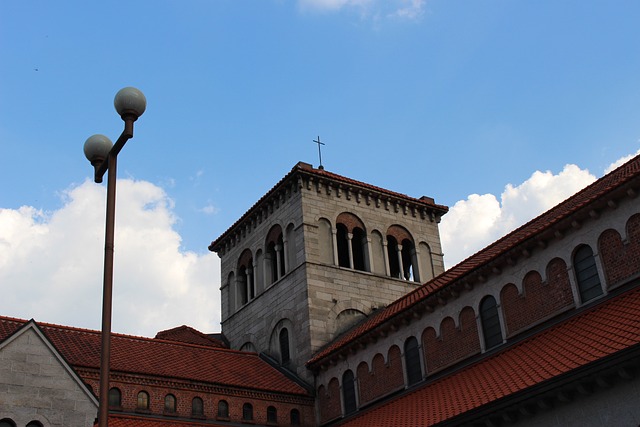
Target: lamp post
130,103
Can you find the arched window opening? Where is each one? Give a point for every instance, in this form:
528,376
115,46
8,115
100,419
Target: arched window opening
197,407
358,243
407,260
7,422
343,246
275,256
295,417
249,346
34,424
170,403
272,415
285,356
246,281
349,393
223,409
143,400
247,412
490,320
392,254
115,397
587,277
243,296
412,361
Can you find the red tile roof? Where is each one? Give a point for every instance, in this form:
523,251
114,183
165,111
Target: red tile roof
606,329
123,420
187,334
595,191
167,359
307,169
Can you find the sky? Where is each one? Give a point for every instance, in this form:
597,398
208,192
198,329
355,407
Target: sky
498,109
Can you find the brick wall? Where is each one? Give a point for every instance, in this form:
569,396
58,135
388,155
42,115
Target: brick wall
329,401
620,260
538,300
383,378
454,343
184,398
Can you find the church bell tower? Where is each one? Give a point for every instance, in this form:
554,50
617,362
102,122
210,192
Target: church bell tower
316,254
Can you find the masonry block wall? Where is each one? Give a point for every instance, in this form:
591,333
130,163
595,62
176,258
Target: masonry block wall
315,294
37,387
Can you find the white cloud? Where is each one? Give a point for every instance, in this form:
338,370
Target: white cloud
209,209
479,220
404,9
51,264
620,161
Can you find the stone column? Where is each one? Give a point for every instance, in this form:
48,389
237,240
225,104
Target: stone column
278,248
334,241
385,253
350,249
399,252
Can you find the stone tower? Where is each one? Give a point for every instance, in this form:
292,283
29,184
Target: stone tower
316,254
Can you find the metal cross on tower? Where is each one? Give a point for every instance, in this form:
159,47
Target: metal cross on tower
319,151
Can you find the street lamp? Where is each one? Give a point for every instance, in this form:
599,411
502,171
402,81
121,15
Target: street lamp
130,103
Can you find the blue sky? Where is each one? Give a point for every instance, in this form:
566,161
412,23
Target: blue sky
481,105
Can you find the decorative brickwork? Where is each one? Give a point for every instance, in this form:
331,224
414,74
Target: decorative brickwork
129,388
329,401
539,300
350,221
384,377
453,344
621,260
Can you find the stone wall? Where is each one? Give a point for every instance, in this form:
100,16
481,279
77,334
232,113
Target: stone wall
36,385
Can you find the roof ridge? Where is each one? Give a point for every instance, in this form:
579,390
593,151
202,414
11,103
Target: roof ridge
46,325
307,168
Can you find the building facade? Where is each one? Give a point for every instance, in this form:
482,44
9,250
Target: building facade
318,253
338,311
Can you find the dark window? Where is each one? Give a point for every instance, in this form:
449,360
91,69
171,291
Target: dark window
223,409
115,398
143,400
272,414
242,285
34,424
412,360
170,403
295,417
6,422
407,259
247,412
392,254
490,322
587,277
284,346
358,243
349,393
197,407
343,246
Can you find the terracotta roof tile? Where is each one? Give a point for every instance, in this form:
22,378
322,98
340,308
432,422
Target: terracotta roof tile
189,335
588,337
598,189
81,348
123,420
